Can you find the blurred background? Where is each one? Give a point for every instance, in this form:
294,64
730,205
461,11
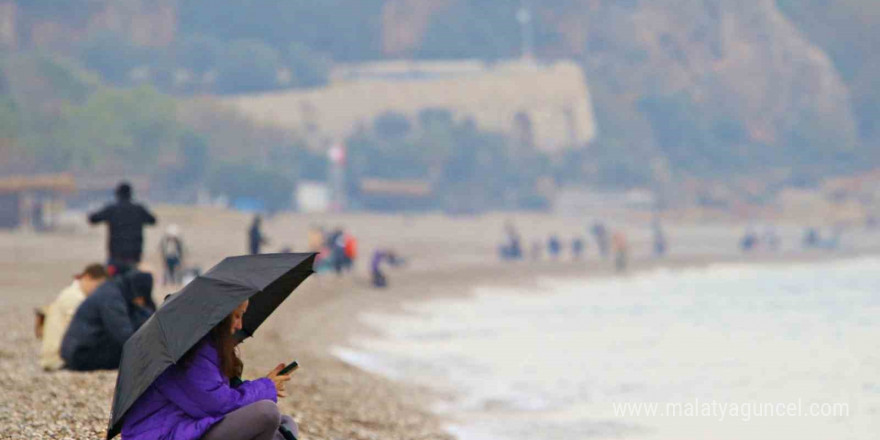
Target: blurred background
453,105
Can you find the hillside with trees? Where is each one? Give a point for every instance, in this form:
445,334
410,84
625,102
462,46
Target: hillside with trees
782,91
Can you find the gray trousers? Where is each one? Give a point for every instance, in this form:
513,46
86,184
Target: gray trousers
257,421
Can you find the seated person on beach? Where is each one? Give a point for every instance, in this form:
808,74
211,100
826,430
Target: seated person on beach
105,320
59,314
194,399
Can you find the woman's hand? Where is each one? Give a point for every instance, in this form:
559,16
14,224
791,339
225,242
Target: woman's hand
279,380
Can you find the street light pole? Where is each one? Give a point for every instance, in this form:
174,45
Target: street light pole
524,17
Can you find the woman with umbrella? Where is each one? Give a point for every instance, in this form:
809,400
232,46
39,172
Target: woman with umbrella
178,378
194,400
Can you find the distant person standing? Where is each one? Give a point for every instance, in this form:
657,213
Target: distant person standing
554,247
125,220
577,248
512,250
171,248
336,244
811,238
660,243
749,241
350,251
256,239
600,234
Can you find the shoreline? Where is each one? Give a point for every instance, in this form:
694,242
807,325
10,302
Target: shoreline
329,398
459,282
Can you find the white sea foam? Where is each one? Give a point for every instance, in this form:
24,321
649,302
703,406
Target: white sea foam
549,363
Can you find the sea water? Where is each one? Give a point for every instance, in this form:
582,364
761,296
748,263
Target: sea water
796,348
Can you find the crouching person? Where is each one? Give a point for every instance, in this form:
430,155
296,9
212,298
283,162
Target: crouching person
59,314
105,320
194,399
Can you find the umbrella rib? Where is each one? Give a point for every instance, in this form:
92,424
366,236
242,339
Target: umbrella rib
164,336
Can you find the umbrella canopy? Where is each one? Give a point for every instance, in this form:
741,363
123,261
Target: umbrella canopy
187,316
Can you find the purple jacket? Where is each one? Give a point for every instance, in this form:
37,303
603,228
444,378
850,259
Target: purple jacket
190,397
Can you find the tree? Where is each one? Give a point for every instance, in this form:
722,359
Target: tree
247,181
248,66
309,68
126,128
113,56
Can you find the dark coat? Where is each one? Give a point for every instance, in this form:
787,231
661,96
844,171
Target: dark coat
125,221
104,321
255,239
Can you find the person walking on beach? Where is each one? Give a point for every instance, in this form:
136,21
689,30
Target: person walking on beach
105,320
125,221
171,248
195,398
256,239
60,312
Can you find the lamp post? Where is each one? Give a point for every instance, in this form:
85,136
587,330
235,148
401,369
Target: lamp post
524,17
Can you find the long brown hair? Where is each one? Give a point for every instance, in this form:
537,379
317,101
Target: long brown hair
225,343
222,339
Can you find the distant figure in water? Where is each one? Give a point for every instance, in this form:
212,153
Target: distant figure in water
256,239
554,247
621,251
600,234
577,248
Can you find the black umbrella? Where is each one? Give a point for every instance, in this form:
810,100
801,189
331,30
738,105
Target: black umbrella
187,316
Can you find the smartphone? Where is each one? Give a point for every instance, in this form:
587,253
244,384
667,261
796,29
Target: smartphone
289,368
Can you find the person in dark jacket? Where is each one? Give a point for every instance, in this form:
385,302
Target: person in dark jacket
125,221
105,320
256,239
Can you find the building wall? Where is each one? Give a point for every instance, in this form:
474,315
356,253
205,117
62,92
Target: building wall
555,100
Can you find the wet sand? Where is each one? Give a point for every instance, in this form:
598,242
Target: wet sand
329,398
